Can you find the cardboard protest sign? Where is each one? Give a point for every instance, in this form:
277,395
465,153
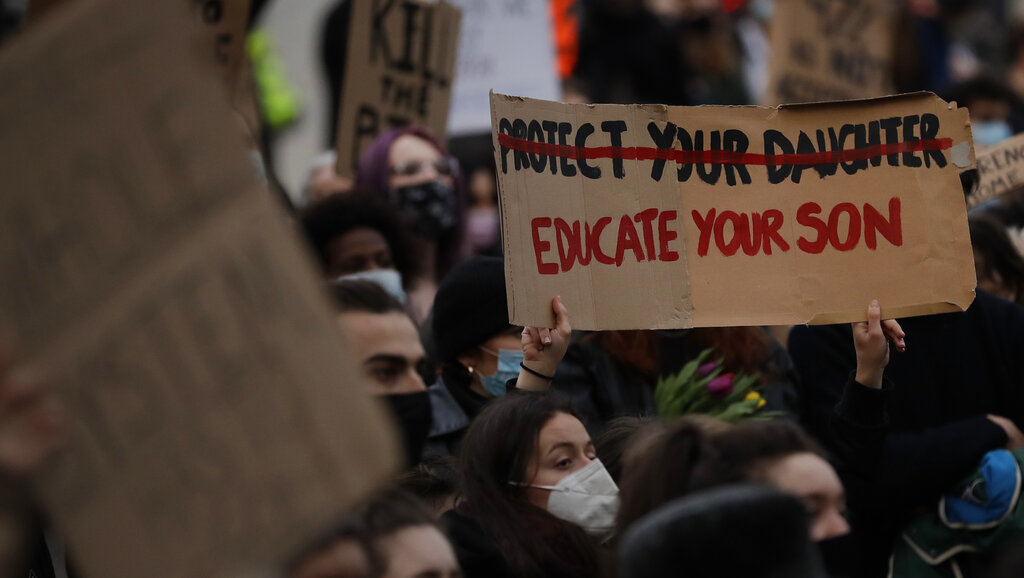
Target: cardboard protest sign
1000,170
225,22
215,420
825,50
662,217
505,46
398,71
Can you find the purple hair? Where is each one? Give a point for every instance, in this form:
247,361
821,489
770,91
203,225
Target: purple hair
373,178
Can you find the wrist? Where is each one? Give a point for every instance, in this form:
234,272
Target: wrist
536,366
869,379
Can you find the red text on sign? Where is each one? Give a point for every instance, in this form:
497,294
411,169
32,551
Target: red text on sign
756,233
645,235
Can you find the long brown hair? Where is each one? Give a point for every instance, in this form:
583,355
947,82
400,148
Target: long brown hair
694,453
493,461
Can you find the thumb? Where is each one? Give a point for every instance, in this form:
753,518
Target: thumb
561,316
874,317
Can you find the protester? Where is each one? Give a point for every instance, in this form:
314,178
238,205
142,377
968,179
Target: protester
433,481
385,346
391,535
483,227
534,500
480,353
732,531
696,453
323,180
410,168
346,552
406,539
359,237
997,263
956,396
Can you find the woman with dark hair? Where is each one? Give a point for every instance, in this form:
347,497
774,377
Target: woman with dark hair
359,235
411,169
534,500
689,456
695,453
479,351
997,263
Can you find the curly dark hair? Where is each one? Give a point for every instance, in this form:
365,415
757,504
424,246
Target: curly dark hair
335,216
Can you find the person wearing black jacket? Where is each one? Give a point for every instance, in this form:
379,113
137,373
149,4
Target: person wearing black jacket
958,397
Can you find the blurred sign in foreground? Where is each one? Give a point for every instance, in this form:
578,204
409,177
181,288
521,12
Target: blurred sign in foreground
215,421
648,216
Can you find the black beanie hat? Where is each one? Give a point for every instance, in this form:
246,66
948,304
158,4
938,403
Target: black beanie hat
470,306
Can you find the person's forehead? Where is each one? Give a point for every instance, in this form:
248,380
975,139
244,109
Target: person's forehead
562,428
418,549
412,148
381,333
804,474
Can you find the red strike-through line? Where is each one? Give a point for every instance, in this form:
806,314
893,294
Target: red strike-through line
719,157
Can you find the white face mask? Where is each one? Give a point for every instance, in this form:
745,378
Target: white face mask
389,279
588,498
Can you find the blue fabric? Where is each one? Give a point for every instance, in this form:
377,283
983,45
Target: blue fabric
989,498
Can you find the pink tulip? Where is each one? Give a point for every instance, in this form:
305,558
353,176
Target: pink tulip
707,368
721,386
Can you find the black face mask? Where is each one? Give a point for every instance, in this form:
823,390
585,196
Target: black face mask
430,207
412,411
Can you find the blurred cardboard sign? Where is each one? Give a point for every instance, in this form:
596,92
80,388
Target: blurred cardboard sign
1000,170
664,217
36,8
823,50
398,71
215,419
505,46
225,22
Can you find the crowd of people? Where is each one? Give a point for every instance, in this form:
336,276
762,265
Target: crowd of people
873,449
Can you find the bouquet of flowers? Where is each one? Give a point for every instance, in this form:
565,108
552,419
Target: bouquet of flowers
702,387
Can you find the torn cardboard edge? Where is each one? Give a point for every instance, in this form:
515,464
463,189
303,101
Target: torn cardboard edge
508,107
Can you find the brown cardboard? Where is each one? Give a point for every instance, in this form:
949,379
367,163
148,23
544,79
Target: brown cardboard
225,22
926,268
35,9
826,50
398,71
1000,170
215,420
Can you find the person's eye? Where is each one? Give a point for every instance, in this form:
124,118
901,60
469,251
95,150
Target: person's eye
563,464
385,374
406,169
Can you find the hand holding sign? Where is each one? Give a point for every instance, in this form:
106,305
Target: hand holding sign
871,340
544,348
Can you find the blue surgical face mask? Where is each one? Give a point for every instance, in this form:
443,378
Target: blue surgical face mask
989,132
508,368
